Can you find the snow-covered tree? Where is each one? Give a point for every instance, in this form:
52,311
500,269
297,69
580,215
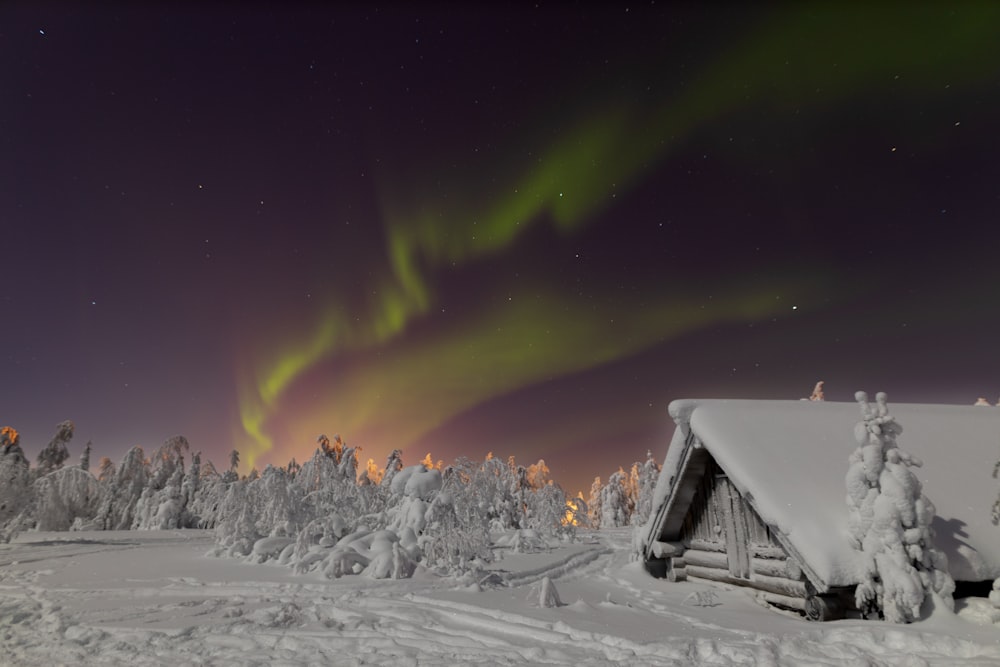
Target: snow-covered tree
995,516
65,496
614,502
890,522
348,466
55,453
85,457
15,483
648,474
334,449
497,488
594,503
817,394
372,473
538,474
452,537
105,470
205,491
547,512
393,465
123,493
168,459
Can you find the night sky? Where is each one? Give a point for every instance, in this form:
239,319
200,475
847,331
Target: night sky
515,228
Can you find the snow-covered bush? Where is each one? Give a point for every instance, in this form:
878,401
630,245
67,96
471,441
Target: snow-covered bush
890,522
451,542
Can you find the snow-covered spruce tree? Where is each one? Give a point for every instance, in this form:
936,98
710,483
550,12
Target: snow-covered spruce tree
648,474
235,528
232,474
209,489
105,470
162,505
85,457
594,504
614,502
15,483
123,492
167,459
817,394
515,500
189,487
890,522
55,453
393,465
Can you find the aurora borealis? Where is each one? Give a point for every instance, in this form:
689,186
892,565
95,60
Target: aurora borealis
518,230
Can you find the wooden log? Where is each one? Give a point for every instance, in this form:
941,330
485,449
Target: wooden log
823,608
767,551
712,574
675,568
770,567
665,549
770,584
784,601
781,585
707,559
706,545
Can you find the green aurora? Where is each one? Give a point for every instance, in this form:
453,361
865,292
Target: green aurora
815,56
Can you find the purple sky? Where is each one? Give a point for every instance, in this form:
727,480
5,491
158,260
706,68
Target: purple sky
518,230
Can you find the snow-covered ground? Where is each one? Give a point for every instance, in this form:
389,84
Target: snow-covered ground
155,598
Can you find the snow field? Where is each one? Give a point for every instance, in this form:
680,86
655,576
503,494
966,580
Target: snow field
154,598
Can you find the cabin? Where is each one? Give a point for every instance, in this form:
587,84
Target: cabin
752,493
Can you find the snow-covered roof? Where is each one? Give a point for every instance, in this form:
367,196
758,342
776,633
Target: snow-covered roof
791,457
